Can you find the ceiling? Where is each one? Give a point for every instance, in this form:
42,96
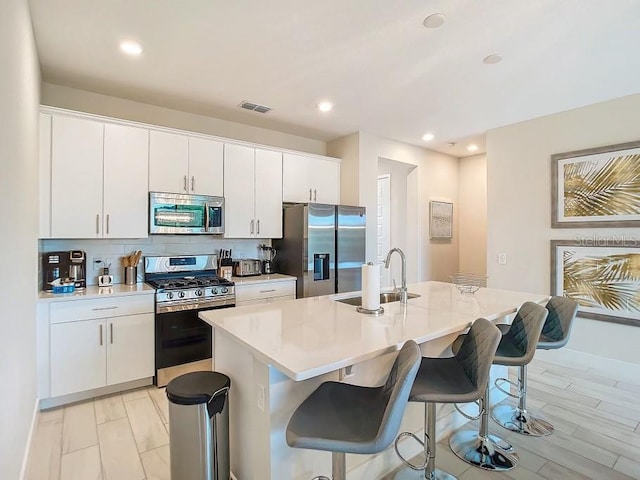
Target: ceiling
384,71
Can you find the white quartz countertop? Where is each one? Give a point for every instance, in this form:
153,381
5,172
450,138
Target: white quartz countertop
308,337
93,291
274,277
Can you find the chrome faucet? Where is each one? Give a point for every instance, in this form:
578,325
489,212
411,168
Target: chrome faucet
403,289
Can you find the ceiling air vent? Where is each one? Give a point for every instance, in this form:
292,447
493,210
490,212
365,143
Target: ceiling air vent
254,107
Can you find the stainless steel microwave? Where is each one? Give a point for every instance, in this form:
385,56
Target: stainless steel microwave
173,213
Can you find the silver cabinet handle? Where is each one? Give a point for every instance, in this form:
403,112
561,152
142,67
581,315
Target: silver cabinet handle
309,194
104,308
258,226
100,334
97,224
267,291
193,183
315,195
107,224
111,333
184,183
251,227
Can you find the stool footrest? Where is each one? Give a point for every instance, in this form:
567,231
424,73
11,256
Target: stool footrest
424,448
500,381
470,417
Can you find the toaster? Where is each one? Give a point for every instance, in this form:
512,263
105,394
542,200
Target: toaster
246,267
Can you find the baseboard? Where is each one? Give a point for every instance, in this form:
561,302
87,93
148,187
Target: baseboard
53,402
575,358
27,447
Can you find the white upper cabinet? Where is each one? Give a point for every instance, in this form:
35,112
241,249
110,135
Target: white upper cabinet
168,162
76,178
98,179
310,179
253,192
205,166
126,191
183,164
44,168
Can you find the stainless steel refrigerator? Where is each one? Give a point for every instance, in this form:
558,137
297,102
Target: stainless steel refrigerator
323,246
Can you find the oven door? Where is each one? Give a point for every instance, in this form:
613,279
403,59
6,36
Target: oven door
181,338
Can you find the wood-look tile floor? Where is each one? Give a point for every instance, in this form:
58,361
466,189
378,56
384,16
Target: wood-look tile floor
596,415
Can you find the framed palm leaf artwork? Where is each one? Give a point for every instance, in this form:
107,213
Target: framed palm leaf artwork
603,276
598,187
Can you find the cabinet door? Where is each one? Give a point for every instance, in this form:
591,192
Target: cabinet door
205,167
126,173
78,356
76,178
268,194
130,348
44,170
296,181
239,173
168,162
326,181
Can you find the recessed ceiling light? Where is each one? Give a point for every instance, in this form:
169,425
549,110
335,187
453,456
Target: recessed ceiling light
427,137
131,48
473,147
493,58
325,106
433,21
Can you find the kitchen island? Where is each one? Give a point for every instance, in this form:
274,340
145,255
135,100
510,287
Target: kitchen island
277,354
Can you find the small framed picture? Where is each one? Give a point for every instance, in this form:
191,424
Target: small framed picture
440,220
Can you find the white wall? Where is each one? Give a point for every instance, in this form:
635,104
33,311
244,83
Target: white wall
19,99
472,214
436,178
83,101
519,207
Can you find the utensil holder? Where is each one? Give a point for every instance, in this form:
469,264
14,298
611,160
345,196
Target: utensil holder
130,275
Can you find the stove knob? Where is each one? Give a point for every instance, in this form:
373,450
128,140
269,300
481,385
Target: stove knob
169,295
198,293
214,291
225,289
181,294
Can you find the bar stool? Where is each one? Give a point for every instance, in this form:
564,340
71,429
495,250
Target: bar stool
517,346
459,379
343,418
555,334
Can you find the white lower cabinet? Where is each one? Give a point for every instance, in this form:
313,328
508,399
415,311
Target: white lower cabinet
265,292
78,357
95,343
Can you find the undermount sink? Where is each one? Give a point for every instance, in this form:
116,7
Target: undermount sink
385,297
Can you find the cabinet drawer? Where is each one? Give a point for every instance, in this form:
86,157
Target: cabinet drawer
264,290
100,308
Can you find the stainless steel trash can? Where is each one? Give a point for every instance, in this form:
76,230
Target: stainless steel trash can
199,426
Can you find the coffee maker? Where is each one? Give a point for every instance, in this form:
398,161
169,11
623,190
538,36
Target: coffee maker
71,264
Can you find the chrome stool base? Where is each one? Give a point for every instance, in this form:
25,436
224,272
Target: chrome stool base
409,474
519,421
483,452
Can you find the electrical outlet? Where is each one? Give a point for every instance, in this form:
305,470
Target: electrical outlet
502,258
261,396
98,264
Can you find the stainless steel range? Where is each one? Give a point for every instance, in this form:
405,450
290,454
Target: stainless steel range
185,285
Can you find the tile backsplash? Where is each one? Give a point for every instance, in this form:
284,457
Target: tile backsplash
153,245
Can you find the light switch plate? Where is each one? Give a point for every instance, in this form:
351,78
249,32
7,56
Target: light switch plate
502,258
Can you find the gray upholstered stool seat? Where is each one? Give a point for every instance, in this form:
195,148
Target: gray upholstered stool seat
555,334
459,379
343,418
516,347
